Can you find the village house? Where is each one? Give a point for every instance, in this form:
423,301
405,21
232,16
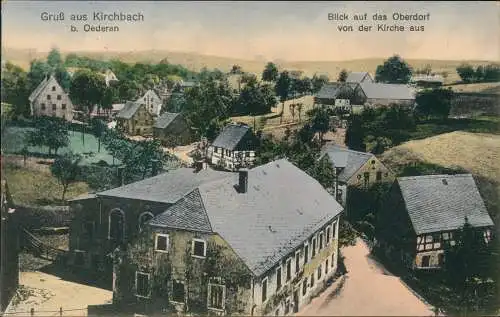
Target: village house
354,168
258,242
336,95
9,248
110,219
233,148
135,119
50,99
172,129
422,214
380,94
152,102
359,77
109,77
427,81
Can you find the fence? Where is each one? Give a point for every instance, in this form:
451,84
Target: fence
38,248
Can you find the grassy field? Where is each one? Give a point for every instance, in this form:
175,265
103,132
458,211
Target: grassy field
481,124
33,184
194,61
490,88
477,153
14,139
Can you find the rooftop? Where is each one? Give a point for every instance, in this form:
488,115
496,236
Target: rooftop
128,110
349,161
387,91
231,136
441,202
264,224
356,77
165,119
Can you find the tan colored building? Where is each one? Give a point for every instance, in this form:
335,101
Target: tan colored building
135,119
50,99
152,102
232,244
354,168
425,213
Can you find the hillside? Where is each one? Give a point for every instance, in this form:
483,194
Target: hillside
478,153
194,61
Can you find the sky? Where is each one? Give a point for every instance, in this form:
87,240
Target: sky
290,31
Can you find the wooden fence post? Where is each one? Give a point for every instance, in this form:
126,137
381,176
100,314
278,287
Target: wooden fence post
60,311
32,311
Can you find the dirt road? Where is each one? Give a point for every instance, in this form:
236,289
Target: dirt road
48,293
368,291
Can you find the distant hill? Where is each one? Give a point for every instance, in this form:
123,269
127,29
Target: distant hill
195,61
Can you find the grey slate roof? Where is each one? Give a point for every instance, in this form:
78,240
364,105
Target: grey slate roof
165,119
188,213
282,207
231,136
356,77
387,91
434,206
167,187
128,110
349,160
328,91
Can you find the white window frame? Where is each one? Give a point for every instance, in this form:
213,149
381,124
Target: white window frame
204,249
306,254
165,235
297,271
321,239
334,230
280,269
264,280
314,246
140,224
223,296
149,288
328,235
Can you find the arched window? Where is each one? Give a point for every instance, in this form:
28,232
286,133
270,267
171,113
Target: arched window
143,218
116,225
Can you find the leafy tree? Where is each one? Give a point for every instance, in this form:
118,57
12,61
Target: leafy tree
377,145
320,122
471,267
270,72
466,72
38,71
54,59
304,85
492,73
51,132
15,91
435,102
87,89
128,90
98,128
342,76
255,99
236,69
479,73
318,82
63,78
282,89
394,71
66,169
355,133
300,107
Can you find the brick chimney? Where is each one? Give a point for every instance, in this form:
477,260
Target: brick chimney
243,180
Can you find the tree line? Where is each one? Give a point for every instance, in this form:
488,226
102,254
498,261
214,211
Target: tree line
480,74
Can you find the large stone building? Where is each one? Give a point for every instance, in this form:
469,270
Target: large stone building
354,168
135,119
50,99
152,102
423,213
257,242
9,248
233,148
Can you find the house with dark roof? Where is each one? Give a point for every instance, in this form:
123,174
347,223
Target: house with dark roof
354,168
113,218
258,242
359,77
233,148
50,99
135,119
423,213
9,248
381,94
172,129
336,94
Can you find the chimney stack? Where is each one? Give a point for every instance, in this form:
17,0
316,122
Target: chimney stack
243,180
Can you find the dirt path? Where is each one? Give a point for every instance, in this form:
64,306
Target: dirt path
368,291
47,293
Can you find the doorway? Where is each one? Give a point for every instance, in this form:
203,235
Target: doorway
295,300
